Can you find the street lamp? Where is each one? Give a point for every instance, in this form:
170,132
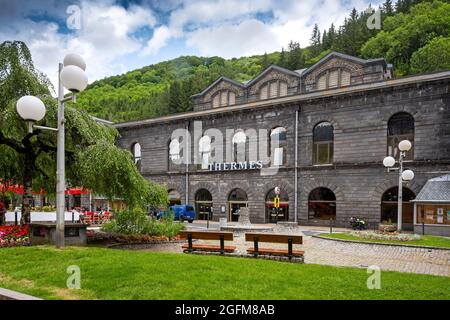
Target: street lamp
407,175
71,76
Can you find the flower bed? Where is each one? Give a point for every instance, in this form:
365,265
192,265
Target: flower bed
101,237
378,235
12,236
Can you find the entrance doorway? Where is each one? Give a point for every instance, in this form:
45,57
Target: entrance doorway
203,204
389,206
236,200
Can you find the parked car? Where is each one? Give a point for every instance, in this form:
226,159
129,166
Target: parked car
180,212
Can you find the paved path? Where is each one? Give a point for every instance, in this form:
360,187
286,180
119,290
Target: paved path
336,253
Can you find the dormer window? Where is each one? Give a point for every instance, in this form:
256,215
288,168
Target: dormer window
333,79
224,98
273,89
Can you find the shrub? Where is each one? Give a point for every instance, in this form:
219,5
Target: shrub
136,222
11,236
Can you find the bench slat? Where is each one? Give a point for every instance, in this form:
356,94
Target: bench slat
280,252
274,238
207,235
208,247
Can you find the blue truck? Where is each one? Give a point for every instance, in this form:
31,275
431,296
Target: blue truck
180,212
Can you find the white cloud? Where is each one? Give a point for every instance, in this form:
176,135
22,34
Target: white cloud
161,36
246,38
105,36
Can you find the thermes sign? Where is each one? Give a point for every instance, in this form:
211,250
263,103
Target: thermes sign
232,166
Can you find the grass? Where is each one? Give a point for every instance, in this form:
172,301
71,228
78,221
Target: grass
120,274
427,241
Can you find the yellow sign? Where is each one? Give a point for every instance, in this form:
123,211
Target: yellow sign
276,202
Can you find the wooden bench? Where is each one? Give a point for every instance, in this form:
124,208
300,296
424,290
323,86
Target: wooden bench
207,235
290,240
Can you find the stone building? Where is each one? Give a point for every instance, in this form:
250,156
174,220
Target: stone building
320,134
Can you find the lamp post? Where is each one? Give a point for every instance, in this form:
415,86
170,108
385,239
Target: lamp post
403,176
71,76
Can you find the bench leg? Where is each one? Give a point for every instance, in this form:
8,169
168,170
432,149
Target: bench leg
255,247
190,243
222,244
290,248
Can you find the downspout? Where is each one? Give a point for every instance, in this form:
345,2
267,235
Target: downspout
295,169
188,156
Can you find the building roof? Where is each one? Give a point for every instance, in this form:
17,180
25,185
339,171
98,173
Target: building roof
389,83
435,190
221,78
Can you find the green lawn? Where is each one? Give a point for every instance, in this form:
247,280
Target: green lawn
120,274
428,241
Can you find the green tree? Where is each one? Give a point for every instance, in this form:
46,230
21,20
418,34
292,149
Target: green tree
92,159
404,34
432,57
296,58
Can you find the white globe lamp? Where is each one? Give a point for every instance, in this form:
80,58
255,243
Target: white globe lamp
388,162
407,175
74,79
30,108
405,145
73,59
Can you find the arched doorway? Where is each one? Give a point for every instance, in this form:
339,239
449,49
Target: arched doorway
174,197
321,204
283,214
203,204
389,206
236,200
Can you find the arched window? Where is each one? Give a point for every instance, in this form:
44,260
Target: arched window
273,89
389,205
400,127
204,148
136,150
322,204
224,98
278,146
283,211
204,204
175,154
323,143
333,79
239,146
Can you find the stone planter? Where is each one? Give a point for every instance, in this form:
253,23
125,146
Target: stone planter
387,227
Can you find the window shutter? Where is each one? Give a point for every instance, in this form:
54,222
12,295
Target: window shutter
263,94
224,98
345,78
322,82
232,98
333,80
283,89
273,89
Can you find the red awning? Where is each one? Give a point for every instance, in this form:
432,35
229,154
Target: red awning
76,190
18,189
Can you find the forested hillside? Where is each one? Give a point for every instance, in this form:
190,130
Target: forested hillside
414,37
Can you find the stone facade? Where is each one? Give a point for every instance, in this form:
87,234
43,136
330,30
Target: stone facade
359,115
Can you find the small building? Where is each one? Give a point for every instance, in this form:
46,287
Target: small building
432,207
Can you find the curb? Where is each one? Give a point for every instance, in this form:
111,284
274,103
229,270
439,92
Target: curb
383,244
6,294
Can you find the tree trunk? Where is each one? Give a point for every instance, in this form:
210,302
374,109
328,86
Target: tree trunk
27,199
